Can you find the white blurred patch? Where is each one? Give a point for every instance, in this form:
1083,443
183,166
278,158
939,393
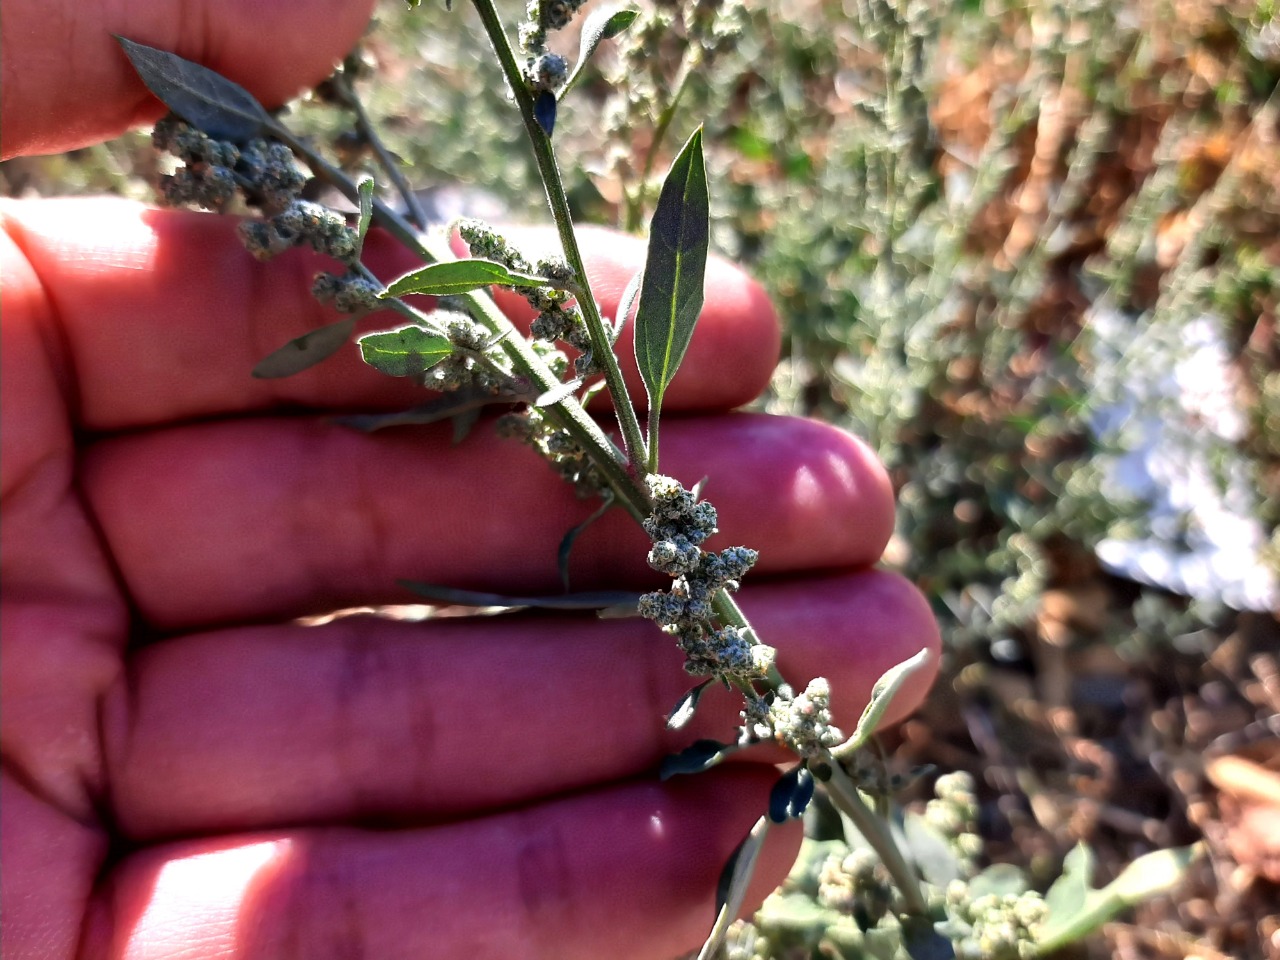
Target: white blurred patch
1168,401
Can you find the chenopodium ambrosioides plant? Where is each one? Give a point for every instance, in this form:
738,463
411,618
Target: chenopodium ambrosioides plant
230,149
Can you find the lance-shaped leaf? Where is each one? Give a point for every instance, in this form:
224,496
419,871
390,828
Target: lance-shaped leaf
882,694
404,352
305,351
207,100
459,276
544,111
603,24
565,549
671,292
453,404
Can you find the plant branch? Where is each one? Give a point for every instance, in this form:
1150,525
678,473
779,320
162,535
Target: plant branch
844,794
602,346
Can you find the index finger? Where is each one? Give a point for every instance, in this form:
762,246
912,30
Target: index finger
163,315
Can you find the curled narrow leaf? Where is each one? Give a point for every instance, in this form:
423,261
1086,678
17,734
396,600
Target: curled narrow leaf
458,276
791,794
565,549
305,351
698,756
404,352
731,890
205,99
603,24
671,291
683,711
882,694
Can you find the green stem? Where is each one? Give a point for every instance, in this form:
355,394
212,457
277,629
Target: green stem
568,413
635,201
601,345
844,794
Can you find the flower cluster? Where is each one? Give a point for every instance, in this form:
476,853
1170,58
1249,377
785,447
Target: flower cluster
801,723
557,318
954,814
857,885
678,524
1000,926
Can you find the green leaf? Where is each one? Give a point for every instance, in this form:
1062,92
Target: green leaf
365,190
999,878
671,291
683,711
305,351
603,24
218,107
882,694
586,600
1076,910
930,851
407,351
731,891
459,276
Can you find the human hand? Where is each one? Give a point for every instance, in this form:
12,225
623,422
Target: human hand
187,772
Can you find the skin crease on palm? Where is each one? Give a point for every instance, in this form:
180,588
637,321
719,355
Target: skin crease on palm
188,773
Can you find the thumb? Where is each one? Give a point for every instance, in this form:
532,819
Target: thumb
67,84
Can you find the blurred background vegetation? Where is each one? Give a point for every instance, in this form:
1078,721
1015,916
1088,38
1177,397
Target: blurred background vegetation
1031,253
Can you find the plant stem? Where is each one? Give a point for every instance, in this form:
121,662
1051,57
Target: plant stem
844,794
635,201
346,90
602,347
568,413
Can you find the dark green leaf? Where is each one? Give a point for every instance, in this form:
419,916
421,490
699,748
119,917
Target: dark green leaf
544,111
682,713
305,351
603,24
404,352
791,794
698,756
458,276
463,421
586,600
207,100
671,292
570,538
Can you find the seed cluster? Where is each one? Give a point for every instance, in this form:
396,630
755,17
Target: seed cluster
557,319
857,885
678,524
801,723
214,172
556,446
1000,926
954,814
545,71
